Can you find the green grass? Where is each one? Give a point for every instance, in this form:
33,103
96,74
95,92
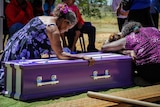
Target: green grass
105,24
9,102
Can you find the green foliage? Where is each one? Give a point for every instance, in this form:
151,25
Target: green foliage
90,8
93,8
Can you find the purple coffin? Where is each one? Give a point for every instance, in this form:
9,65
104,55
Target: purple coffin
40,78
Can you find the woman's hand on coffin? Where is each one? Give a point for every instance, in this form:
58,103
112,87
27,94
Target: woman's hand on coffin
90,60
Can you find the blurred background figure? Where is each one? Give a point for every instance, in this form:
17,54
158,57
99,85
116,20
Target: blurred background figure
155,10
18,13
81,27
120,13
37,7
48,7
139,11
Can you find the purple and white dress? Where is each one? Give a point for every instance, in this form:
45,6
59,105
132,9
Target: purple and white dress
29,42
146,45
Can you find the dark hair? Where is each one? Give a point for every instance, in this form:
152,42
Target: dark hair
130,27
126,4
47,1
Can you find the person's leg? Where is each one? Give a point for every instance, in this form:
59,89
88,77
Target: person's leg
121,22
70,37
155,17
64,39
77,34
91,31
14,28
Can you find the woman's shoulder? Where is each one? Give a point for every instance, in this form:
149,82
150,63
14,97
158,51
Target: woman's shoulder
48,20
149,29
52,30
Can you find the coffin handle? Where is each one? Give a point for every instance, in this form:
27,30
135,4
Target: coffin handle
95,75
52,82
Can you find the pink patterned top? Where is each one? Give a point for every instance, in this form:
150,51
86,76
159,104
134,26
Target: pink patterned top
146,45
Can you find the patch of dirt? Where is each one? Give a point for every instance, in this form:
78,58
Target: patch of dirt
100,39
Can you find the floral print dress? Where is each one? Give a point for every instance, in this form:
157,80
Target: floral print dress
146,45
29,42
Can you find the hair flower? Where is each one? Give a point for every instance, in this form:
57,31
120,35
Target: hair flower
63,8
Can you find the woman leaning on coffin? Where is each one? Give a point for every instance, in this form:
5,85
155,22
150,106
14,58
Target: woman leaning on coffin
142,44
43,33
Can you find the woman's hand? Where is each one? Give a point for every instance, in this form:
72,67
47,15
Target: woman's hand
90,60
130,53
133,55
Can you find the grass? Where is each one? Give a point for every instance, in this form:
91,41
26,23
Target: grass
9,102
104,25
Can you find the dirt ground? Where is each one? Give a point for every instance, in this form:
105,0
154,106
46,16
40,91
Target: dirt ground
103,30
100,39
102,35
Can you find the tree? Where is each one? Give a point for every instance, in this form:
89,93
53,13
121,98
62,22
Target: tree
91,8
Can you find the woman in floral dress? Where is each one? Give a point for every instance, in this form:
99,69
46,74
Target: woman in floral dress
40,34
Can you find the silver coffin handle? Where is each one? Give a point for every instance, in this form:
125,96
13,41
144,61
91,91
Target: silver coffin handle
52,82
95,75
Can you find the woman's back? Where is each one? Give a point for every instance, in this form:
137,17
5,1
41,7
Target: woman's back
30,41
146,45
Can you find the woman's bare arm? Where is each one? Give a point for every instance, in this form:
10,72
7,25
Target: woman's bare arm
114,46
54,37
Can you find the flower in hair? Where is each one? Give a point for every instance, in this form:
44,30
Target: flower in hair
63,8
